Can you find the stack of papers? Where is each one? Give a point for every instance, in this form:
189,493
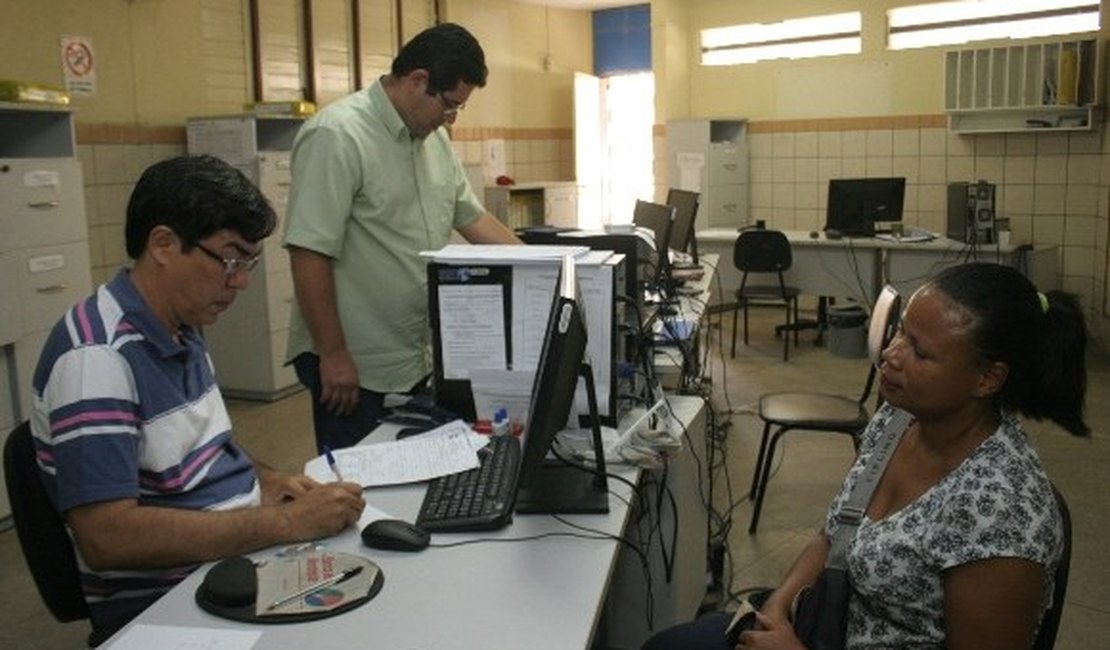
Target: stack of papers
448,449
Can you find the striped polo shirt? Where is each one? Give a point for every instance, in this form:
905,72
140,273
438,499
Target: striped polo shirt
122,411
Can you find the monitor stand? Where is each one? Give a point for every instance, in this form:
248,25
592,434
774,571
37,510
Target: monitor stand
562,487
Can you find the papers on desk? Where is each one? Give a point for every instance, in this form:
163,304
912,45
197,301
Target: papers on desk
176,637
448,449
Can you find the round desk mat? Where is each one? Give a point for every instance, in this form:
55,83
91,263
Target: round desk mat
230,590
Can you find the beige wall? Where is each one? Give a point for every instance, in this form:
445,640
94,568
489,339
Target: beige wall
159,62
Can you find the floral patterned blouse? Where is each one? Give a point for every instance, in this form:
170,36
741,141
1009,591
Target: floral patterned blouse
997,503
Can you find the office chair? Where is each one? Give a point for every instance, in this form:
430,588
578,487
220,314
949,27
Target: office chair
765,251
787,411
1050,624
42,534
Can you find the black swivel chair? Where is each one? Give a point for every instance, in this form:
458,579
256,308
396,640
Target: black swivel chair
761,251
42,534
787,411
1050,624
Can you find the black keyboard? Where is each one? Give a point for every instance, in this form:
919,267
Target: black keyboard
477,499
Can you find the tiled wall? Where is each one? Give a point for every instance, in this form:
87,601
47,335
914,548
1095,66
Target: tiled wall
110,172
531,155
112,163
1053,187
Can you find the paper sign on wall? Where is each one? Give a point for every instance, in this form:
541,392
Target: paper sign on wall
78,66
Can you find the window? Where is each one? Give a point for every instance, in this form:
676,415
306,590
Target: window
951,23
798,38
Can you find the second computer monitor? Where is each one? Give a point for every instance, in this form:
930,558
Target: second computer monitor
856,204
659,219
546,487
685,204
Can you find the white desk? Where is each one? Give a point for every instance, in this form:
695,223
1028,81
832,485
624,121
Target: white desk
858,267
538,594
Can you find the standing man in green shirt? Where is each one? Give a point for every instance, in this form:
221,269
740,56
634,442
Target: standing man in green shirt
375,181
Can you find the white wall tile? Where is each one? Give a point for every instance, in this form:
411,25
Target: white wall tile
933,170
1084,168
1051,169
111,166
934,142
1049,199
783,145
760,145
1018,169
805,170
1052,143
907,142
908,167
989,168
1021,144
1017,200
990,144
853,144
961,168
782,170
829,144
880,142
880,166
1081,200
1081,142
805,144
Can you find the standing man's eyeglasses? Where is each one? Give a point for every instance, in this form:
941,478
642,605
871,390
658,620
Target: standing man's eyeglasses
232,265
450,106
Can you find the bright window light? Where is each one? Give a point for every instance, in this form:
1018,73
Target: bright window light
799,38
965,21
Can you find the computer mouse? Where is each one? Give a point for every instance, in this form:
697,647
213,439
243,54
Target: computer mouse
833,233
395,535
813,234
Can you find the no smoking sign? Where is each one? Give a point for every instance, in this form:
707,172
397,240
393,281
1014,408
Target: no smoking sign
78,65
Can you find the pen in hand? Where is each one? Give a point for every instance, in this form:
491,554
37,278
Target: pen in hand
317,586
331,463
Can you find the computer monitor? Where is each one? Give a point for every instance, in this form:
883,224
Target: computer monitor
857,204
685,204
659,219
558,485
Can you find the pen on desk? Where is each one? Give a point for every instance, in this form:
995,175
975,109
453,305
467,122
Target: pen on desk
313,588
331,463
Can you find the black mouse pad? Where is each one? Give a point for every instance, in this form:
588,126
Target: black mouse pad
231,587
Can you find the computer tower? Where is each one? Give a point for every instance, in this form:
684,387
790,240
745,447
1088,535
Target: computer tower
971,212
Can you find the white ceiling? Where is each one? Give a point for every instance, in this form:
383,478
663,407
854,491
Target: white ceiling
589,5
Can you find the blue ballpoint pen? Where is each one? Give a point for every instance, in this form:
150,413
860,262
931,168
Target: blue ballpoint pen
332,464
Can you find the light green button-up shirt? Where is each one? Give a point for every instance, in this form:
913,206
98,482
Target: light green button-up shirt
368,195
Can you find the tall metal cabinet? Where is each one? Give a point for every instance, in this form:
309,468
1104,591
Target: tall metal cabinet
248,342
711,157
44,250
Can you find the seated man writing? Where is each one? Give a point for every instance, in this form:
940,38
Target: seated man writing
132,435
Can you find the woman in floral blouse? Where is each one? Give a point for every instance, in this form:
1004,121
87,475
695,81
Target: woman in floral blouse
962,536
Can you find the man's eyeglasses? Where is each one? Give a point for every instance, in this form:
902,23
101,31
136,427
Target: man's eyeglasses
232,265
450,106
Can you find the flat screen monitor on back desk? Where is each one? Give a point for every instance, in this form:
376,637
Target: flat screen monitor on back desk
659,219
856,205
685,204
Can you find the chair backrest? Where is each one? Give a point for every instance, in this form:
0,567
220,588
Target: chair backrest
884,320
1050,623
762,251
42,533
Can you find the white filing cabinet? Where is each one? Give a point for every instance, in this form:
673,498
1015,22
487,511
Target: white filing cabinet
534,204
248,342
711,157
44,252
